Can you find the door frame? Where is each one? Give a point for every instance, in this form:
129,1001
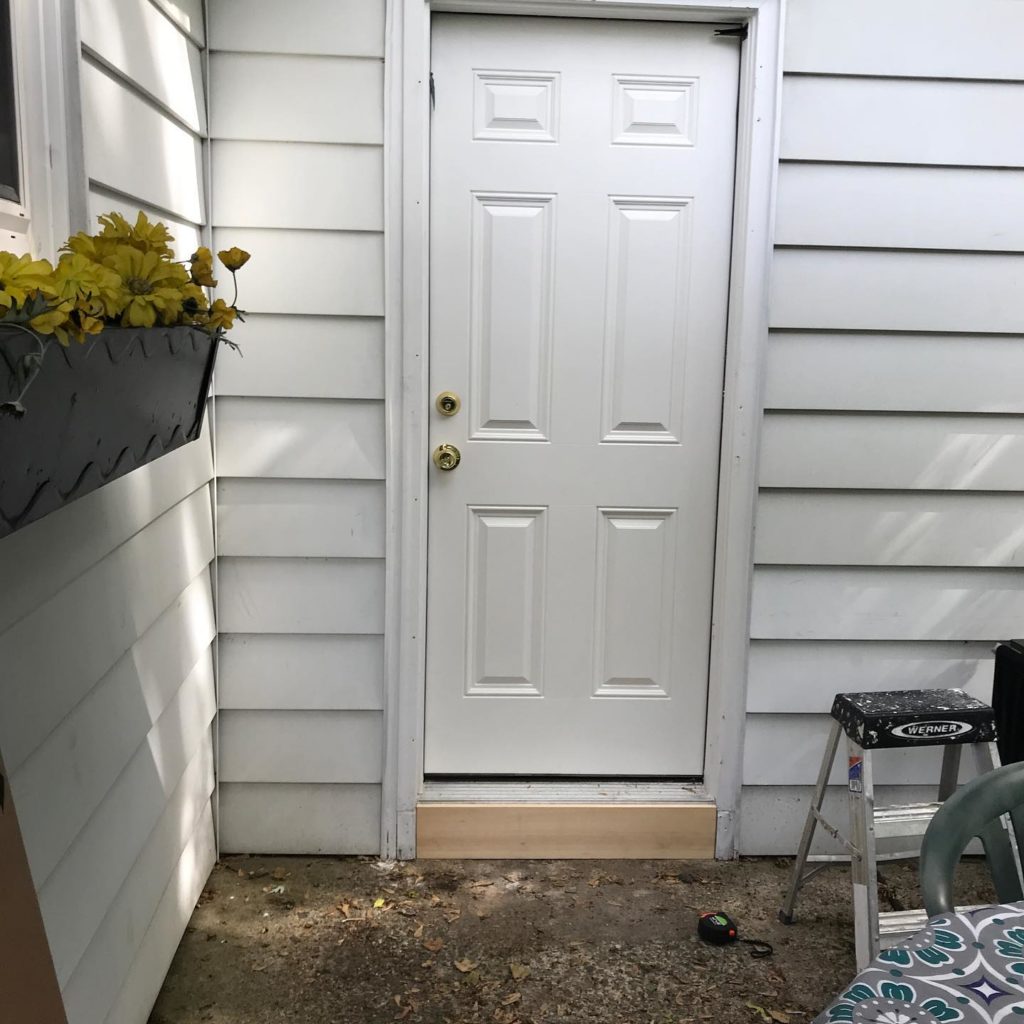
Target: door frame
406,259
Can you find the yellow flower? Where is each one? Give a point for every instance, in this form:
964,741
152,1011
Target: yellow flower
92,247
53,321
221,316
91,287
151,288
22,276
233,258
141,235
86,325
194,303
202,267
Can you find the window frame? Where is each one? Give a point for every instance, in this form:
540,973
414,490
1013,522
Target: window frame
7,42
44,43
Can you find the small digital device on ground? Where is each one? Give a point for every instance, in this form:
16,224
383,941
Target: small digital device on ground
720,930
717,928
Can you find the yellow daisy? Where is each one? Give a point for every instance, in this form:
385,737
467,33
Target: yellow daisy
151,288
22,276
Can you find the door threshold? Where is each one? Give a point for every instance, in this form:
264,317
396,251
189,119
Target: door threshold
612,791
565,820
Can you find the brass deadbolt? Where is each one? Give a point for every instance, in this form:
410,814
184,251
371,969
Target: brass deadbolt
448,403
446,457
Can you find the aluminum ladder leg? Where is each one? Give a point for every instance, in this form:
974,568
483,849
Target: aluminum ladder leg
866,825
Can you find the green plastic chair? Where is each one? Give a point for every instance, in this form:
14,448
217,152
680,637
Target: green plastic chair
975,810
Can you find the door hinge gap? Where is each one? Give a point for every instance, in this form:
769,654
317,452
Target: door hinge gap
740,32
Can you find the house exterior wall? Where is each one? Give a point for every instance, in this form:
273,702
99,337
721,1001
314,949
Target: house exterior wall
297,127
106,613
889,531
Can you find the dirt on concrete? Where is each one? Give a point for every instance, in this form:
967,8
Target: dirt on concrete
356,941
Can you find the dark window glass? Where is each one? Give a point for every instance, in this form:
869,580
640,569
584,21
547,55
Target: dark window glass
9,183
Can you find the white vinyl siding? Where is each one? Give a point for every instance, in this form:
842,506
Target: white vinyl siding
108,684
888,529
106,615
297,123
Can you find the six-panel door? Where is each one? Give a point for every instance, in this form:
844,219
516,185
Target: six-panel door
581,208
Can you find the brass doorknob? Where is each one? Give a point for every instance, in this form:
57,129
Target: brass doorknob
448,403
446,457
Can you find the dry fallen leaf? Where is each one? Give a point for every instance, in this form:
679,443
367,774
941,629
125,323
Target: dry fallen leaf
433,945
778,1016
464,966
483,883
513,998
761,1012
280,874
519,971
418,934
451,916
379,902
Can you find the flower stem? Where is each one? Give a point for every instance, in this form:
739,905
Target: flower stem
15,403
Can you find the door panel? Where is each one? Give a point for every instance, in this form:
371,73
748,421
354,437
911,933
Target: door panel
510,326
581,207
505,601
648,281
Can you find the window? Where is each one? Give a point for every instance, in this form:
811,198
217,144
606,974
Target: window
10,178
35,193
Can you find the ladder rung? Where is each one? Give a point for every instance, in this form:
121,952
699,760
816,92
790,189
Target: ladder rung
894,925
904,820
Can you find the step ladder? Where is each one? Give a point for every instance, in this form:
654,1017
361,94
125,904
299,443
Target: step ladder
873,721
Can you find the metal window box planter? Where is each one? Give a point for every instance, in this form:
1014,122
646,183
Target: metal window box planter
97,411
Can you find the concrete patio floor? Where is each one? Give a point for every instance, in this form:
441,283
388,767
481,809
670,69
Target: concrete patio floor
354,941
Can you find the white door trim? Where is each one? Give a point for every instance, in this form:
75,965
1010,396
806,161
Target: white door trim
406,234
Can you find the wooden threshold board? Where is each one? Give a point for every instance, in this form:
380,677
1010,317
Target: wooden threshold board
497,831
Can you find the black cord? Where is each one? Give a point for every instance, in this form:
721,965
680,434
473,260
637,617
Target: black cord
759,949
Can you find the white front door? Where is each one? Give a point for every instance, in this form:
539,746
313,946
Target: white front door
581,210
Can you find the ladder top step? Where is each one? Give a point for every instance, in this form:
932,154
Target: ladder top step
914,718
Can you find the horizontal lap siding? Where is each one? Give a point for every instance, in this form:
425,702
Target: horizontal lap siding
297,125
103,721
334,518
912,38
888,535
327,357
106,615
878,206
165,168
857,372
902,121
